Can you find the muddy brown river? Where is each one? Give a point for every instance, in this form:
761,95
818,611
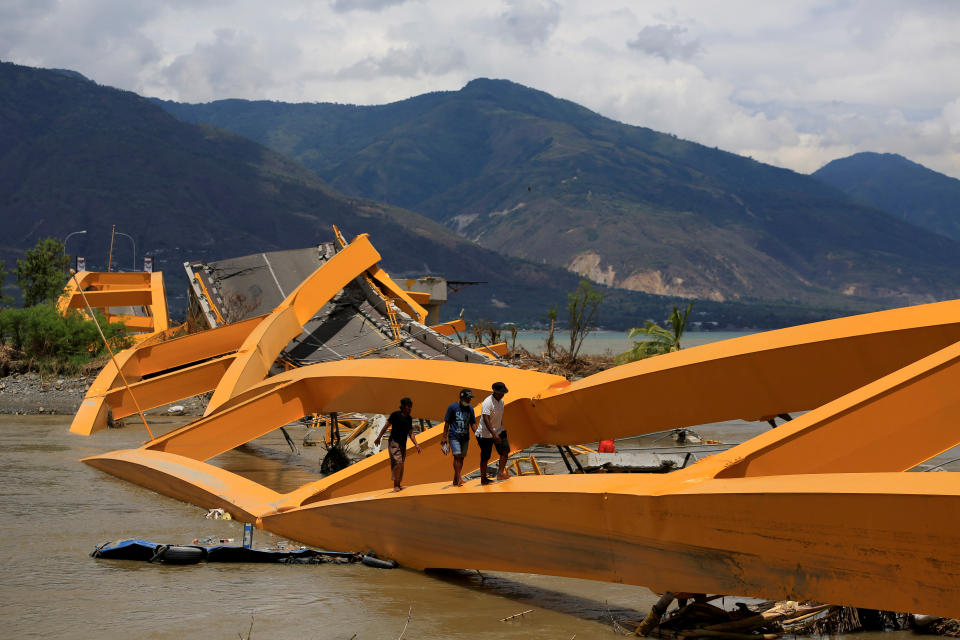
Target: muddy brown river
55,510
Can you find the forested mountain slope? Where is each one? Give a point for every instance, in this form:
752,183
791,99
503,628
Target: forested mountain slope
544,179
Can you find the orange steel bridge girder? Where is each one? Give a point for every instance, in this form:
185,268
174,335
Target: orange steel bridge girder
751,521
550,410
150,358
104,290
891,424
882,541
261,348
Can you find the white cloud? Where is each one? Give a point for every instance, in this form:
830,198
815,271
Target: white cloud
406,62
343,6
529,22
667,42
796,82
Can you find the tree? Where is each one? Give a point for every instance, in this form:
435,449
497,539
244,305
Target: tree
582,305
4,300
657,339
552,317
43,272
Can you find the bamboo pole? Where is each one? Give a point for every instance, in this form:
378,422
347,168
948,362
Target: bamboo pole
113,233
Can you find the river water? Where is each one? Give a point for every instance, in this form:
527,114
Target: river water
57,509
600,342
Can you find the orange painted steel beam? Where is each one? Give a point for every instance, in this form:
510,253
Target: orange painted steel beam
70,289
189,480
394,291
166,388
105,290
114,298
450,328
877,540
562,413
155,357
158,303
419,297
132,279
261,348
892,424
370,386
494,351
91,416
787,370
134,323
882,541
152,357
680,531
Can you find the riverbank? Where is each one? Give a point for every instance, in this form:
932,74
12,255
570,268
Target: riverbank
39,394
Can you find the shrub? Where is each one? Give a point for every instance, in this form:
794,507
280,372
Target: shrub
52,342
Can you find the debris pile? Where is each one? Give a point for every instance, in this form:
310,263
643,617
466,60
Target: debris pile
696,617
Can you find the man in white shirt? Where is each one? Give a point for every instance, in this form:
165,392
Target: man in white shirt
490,433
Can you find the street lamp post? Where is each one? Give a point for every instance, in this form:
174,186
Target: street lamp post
120,233
72,233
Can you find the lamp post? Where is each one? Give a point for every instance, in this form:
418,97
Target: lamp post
72,233
120,233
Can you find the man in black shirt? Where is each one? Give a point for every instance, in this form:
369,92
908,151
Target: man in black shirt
401,425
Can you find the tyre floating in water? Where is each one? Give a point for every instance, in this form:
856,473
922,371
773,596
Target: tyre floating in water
173,554
378,563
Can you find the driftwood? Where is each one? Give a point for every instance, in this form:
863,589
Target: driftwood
516,615
653,618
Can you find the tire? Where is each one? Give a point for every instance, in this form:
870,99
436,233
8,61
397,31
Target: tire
170,554
377,563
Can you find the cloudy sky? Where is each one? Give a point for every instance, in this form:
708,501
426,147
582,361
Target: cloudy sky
793,83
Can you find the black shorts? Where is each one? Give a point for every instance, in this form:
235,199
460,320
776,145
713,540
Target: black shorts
487,444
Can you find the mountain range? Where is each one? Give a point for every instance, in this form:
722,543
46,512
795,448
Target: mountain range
77,156
519,171
521,191
907,190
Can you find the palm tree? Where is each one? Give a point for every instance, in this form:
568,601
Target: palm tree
657,339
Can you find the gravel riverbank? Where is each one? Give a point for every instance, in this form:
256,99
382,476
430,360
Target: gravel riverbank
32,393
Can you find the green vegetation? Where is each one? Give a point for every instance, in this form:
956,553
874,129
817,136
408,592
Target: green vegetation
582,305
49,342
657,339
42,274
4,300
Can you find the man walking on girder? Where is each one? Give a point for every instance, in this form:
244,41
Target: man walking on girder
456,432
490,433
401,425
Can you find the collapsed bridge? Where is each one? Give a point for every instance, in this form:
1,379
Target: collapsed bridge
820,508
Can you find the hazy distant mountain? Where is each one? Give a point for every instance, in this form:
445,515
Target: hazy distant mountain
898,186
75,155
545,179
